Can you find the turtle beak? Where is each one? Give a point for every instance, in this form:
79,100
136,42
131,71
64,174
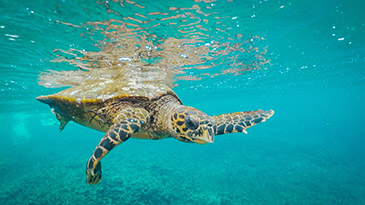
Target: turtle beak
206,137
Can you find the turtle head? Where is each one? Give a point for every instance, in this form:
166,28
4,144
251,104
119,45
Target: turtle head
192,125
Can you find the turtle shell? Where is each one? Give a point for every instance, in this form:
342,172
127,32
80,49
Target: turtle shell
82,103
103,91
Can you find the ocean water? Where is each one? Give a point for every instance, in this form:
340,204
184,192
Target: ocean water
303,59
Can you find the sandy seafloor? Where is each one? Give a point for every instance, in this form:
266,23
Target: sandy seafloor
310,152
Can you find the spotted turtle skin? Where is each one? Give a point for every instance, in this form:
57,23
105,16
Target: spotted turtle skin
142,112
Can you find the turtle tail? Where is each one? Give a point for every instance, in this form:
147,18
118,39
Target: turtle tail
239,121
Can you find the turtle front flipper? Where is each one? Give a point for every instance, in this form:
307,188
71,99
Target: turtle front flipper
239,121
117,134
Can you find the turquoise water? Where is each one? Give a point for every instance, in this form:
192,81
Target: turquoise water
307,63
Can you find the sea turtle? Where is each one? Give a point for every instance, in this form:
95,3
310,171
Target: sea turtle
143,111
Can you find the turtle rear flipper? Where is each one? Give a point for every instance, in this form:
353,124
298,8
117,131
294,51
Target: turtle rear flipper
239,121
63,121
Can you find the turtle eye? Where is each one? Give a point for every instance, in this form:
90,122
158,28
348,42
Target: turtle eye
192,122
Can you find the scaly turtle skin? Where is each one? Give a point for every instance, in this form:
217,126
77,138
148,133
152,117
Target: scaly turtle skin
140,111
